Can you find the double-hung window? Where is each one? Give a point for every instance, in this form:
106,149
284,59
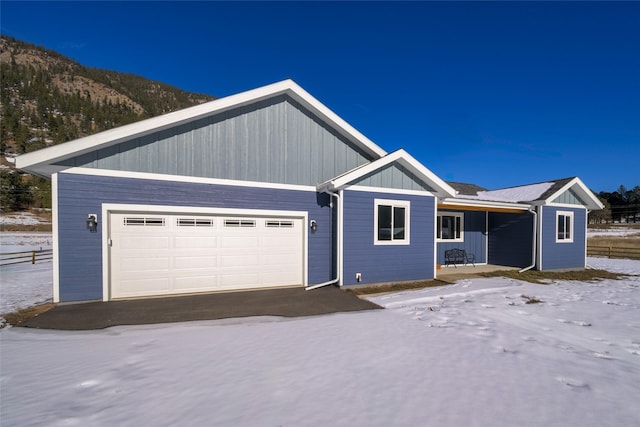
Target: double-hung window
564,227
450,227
391,218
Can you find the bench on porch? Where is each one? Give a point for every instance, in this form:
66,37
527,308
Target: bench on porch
458,256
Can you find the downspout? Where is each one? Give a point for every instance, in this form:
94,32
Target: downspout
338,242
535,238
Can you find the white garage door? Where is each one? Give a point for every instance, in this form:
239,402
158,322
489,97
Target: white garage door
156,254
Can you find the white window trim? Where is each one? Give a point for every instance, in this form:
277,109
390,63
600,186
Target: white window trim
571,226
454,214
407,220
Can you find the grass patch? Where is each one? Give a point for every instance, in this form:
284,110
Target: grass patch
396,287
531,300
546,277
18,317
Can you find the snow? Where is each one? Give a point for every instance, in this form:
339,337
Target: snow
472,354
25,285
613,232
525,193
24,218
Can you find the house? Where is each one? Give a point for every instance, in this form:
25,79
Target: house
270,188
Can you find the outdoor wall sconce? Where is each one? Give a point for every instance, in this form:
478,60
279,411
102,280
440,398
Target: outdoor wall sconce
313,224
92,223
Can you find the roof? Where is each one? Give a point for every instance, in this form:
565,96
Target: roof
441,188
538,193
43,162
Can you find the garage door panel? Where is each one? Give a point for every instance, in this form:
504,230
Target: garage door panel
194,262
144,265
144,242
188,242
164,254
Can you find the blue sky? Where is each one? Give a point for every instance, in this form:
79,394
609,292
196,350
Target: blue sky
492,93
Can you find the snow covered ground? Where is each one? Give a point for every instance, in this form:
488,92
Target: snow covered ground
24,218
471,354
613,232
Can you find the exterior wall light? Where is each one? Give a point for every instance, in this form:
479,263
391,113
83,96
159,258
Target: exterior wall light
313,225
92,223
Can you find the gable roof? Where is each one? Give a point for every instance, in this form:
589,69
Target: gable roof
43,162
441,188
538,193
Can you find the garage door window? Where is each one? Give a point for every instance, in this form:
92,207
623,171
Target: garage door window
195,222
278,224
239,223
141,221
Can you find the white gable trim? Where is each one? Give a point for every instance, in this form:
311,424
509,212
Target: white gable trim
400,156
581,189
39,162
188,179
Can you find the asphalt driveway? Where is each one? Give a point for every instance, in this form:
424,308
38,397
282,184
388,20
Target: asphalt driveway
285,302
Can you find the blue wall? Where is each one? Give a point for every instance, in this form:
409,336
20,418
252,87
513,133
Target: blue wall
511,239
80,252
563,255
475,237
386,263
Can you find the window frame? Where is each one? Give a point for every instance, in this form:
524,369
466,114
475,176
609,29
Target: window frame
394,204
564,238
439,221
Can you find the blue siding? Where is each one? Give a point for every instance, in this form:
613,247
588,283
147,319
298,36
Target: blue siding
510,239
475,237
81,252
557,256
386,263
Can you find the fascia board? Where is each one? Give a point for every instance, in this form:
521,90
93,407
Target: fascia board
400,156
592,201
33,161
484,204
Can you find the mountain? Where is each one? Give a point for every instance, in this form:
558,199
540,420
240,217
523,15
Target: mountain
47,98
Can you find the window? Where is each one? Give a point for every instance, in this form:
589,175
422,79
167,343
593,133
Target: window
391,219
195,222
450,227
141,221
278,224
564,227
242,223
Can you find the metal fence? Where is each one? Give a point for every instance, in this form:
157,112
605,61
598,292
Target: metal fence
32,257
613,252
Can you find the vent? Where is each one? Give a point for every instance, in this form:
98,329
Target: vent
195,222
145,222
278,224
239,223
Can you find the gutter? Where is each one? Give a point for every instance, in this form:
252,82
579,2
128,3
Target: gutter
338,277
535,238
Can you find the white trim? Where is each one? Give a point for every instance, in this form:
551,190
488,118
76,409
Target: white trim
567,206
187,179
55,238
435,241
340,242
454,214
406,205
540,241
387,190
592,201
486,236
569,214
484,204
39,162
108,208
400,156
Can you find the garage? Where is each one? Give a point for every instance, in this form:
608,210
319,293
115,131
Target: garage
153,253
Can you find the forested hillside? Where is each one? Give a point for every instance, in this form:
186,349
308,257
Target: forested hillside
47,98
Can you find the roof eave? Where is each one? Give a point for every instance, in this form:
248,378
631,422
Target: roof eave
593,203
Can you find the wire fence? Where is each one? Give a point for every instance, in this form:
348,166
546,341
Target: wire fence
613,252
24,257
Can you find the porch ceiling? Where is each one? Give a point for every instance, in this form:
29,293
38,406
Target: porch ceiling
481,208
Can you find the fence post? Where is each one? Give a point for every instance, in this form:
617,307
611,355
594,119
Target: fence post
609,251
33,257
